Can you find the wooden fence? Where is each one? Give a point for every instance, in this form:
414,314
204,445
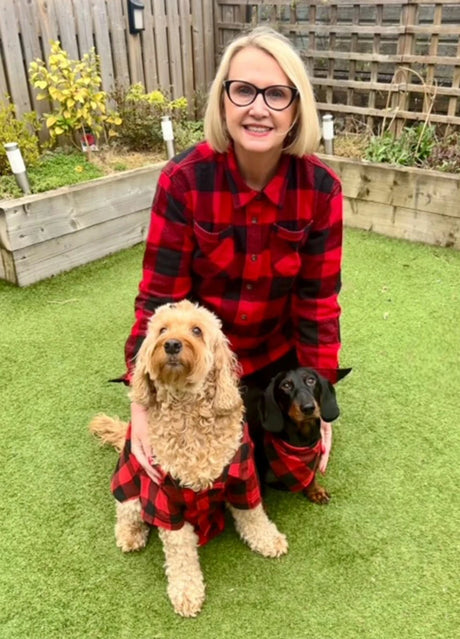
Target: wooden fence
175,52
378,62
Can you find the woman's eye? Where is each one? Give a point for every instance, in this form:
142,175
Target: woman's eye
196,330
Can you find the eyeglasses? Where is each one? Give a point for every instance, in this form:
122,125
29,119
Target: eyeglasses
277,97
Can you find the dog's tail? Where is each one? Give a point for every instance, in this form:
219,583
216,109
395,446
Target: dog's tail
110,430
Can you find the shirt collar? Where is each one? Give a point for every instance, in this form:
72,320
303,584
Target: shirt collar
242,194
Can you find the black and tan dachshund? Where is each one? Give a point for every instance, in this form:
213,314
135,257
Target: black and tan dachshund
290,413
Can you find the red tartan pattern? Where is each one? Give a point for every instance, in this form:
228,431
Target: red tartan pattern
295,467
266,263
169,505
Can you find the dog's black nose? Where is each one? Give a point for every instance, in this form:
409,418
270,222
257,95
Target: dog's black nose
307,408
173,346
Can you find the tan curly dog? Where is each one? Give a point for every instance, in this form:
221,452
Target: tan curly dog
187,378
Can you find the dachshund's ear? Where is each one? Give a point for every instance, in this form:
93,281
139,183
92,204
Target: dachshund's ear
227,395
142,387
271,416
328,402
343,372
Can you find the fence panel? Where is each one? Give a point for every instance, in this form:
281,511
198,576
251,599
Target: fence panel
381,62
175,52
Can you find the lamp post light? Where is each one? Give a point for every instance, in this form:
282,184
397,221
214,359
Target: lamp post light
18,167
136,16
168,135
328,133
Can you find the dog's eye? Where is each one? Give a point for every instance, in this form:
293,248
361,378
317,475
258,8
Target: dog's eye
196,330
286,386
310,381
162,330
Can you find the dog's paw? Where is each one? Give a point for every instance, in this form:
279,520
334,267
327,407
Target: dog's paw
132,537
187,601
318,495
274,546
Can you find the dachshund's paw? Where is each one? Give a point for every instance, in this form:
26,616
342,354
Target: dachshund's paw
318,495
132,537
187,600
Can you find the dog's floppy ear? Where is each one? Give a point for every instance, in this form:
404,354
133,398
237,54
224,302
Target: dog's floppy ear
328,402
227,395
142,387
271,416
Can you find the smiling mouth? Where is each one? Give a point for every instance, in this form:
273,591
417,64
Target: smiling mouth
257,129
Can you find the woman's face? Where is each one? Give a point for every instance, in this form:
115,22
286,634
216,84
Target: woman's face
256,128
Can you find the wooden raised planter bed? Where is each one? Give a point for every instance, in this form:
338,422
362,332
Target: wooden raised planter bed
44,234
408,203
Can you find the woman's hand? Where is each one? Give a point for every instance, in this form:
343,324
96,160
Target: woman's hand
140,442
326,436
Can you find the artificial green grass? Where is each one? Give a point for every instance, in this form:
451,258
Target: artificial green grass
380,561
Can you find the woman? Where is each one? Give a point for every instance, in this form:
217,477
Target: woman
249,224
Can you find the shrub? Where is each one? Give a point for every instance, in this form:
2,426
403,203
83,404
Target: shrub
23,131
412,148
141,114
73,88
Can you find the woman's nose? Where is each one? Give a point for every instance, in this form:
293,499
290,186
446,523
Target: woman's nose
259,106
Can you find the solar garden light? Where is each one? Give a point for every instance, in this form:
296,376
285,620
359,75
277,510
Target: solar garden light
136,16
18,167
168,135
328,133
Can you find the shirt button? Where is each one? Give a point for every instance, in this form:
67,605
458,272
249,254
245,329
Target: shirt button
249,286
254,258
254,220
244,316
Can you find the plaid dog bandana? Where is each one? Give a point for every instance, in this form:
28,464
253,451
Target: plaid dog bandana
168,505
294,466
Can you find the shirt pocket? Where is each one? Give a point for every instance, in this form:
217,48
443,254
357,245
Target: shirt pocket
215,253
285,249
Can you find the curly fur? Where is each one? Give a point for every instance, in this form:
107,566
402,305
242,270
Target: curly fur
195,417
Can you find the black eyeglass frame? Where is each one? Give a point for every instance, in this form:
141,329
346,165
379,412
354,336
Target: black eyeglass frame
294,93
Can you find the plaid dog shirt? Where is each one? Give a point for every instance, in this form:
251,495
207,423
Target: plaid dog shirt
294,466
168,505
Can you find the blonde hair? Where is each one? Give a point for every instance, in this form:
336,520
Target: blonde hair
304,136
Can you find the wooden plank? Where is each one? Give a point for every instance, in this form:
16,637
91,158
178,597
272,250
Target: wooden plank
118,26
101,36
185,26
18,86
64,10
38,218
40,261
199,46
47,24
209,42
381,113
174,48
379,57
402,223
405,187
385,86
84,25
148,50
161,45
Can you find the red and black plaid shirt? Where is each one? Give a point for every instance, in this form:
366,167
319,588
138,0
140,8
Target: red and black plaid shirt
169,505
293,466
267,263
